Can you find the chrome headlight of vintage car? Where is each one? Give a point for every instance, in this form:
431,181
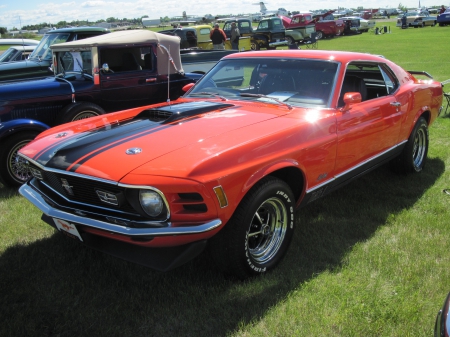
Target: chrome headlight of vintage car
152,203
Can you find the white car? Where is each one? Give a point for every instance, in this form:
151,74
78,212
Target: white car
364,25
16,53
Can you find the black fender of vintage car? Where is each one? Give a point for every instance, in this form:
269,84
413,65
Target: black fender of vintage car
18,125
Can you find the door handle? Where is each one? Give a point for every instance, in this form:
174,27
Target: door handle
147,80
396,104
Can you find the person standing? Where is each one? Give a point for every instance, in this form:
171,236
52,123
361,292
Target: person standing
442,10
218,37
235,34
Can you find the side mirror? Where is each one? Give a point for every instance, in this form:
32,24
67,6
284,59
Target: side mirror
351,98
105,67
187,87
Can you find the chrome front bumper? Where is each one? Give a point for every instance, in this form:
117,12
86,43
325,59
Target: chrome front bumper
164,229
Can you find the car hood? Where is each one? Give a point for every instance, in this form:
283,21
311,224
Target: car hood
32,88
169,140
23,69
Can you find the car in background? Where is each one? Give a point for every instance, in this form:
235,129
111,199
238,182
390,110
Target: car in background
226,166
364,24
37,65
416,19
442,324
16,53
444,18
91,77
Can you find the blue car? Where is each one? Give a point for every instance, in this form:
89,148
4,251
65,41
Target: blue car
444,18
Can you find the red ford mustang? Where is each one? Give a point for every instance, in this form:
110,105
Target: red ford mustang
227,165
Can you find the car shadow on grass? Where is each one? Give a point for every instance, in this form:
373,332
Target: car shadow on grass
56,286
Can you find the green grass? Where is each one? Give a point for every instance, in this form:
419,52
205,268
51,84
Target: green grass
371,259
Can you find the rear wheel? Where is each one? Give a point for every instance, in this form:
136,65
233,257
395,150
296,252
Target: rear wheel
257,236
289,40
319,35
255,46
414,155
13,169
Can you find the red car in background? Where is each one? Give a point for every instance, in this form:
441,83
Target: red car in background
226,166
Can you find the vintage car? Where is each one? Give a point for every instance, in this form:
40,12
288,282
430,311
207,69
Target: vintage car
442,324
225,166
444,18
352,25
37,65
364,24
92,76
416,19
16,53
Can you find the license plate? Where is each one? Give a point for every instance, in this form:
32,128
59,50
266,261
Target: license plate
67,228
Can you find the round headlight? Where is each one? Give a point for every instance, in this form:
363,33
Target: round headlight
151,202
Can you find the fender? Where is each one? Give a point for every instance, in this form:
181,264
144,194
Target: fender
17,125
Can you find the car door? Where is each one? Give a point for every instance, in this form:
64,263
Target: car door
368,132
131,79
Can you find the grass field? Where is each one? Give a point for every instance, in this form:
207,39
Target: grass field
371,259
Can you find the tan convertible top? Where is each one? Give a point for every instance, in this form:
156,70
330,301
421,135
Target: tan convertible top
128,38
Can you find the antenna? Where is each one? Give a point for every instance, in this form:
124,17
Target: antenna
23,42
168,80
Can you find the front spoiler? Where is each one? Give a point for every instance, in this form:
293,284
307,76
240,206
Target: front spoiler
37,200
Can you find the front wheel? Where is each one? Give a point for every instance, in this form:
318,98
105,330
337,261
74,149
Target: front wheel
13,169
414,155
258,234
254,46
319,35
78,111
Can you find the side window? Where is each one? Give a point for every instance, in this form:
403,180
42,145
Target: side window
389,79
373,80
125,59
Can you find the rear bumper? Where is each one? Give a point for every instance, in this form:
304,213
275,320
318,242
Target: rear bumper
276,44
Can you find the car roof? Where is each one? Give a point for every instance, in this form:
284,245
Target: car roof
23,48
78,30
325,55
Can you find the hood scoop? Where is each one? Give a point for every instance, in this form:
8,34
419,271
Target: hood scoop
172,113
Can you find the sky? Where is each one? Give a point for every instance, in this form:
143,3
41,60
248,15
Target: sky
20,13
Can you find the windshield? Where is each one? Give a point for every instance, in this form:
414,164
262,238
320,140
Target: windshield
297,82
42,51
8,55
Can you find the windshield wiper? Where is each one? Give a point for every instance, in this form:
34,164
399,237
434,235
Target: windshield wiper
215,94
264,96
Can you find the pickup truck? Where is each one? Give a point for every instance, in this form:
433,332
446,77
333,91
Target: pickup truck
324,27
37,65
269,34
93,76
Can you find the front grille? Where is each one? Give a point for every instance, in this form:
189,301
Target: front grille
82,190
45,114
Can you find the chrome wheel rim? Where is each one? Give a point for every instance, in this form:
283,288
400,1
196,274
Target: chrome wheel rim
419,148
267,230
84,115
17,166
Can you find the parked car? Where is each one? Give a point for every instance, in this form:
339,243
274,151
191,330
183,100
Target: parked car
352,25
16,53
364,25
225,166
37,65
92,77
416,19
444,18
442,324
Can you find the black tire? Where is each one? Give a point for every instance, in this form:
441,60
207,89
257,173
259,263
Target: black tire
255,46
258,234
78,111
414,155
319,35
13,169
289,40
